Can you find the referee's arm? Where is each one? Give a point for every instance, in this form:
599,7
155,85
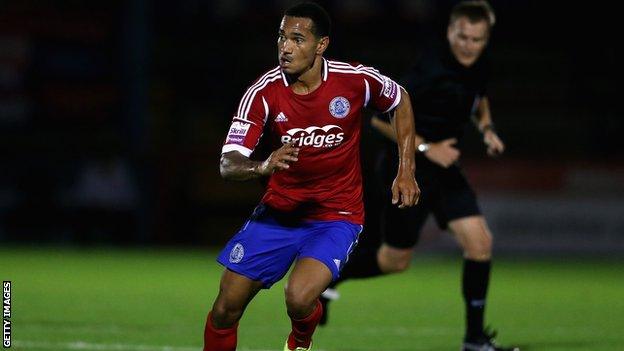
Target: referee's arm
483,121
387,130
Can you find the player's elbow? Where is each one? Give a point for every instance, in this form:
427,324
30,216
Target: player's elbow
225,168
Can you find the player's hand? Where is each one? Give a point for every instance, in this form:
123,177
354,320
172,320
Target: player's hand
495,146
405,191
279,159
443,153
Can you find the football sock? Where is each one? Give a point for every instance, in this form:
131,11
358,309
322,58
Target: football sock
219,339
302,329
362,264
475,279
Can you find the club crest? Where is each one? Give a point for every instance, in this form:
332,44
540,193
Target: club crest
237,253
339,107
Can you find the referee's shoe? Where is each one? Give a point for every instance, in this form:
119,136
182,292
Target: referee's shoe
485,343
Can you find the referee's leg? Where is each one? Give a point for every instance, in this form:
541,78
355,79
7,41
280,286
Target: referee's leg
474,236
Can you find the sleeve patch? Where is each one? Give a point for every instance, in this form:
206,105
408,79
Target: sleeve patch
238,132
389,88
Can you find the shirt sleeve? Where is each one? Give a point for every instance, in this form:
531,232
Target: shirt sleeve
382,93
248,123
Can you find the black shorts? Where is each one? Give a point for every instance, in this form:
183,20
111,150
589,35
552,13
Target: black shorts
445,192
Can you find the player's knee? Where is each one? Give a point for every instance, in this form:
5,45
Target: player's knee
299,302
225,315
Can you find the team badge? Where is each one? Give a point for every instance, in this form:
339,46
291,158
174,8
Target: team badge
339,107
237,253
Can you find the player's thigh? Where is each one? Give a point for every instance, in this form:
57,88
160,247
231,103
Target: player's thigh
235,293
236,290
308,279
474,236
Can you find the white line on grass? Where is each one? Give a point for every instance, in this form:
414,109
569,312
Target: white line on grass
83,345
87,346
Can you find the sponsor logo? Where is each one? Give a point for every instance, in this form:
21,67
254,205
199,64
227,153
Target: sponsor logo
339,107
319,137
281,117
237,253
238,131
389,88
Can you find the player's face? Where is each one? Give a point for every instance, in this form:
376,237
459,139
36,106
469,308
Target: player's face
297,46
467,40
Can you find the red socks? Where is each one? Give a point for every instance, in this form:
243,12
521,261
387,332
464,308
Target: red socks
219,339
302,329
225,339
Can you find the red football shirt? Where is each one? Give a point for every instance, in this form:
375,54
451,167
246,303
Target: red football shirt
326,182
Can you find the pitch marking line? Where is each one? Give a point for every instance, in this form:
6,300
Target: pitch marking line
87,346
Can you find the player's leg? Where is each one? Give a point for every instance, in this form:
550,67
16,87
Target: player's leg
324,251
235,292
307,281
259,255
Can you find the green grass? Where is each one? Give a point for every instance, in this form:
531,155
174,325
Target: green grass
139,300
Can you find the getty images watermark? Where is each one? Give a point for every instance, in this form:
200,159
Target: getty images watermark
6,314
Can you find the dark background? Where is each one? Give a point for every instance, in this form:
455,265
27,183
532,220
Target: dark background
112,115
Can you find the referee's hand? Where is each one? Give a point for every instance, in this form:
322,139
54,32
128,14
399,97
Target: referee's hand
443,153
495,146
405,191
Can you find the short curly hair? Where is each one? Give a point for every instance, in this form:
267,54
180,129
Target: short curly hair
321,24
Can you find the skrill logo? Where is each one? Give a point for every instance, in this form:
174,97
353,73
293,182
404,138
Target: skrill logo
327,136
389,90
237,133
239,128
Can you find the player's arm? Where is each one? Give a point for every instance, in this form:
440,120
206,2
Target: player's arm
236,166
405,191
483,121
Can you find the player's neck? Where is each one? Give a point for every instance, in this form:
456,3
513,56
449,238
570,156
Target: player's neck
310,80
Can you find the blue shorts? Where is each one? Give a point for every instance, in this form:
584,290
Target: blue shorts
269,242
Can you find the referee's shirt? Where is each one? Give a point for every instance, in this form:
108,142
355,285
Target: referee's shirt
443,92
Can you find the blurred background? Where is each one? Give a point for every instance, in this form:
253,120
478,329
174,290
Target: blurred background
112,116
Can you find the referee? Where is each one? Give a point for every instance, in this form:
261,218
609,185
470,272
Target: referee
447,86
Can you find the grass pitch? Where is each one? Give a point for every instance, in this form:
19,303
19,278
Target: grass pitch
143,300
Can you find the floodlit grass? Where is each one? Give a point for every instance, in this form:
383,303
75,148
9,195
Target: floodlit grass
148,299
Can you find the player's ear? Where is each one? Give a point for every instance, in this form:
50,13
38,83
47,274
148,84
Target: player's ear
322,45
